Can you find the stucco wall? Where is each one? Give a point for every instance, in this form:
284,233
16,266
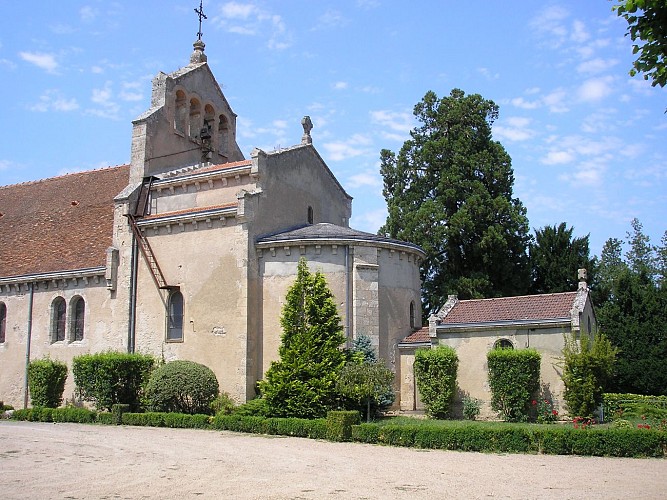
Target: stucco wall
97,334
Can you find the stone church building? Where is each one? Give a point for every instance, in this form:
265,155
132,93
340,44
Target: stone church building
188,251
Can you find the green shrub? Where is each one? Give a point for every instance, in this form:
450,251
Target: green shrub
73,414
339,424
181,387
46,379
435,373
588,368
148,419
634,406
223,403
257,407
105,418
365,433
117,411
471,408
298,427
514,378
110,378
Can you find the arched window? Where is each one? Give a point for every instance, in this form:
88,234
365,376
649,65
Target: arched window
58,316
180,119
412,315
195,118
77,312
175,317
503,344
3,321
223,134
311,218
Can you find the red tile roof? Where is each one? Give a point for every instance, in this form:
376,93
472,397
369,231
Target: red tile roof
193,211
59,224
420,336
215,168
526,307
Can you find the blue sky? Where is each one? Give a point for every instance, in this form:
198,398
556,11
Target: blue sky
587,141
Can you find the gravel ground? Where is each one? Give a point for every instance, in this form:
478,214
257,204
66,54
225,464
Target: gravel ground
72,461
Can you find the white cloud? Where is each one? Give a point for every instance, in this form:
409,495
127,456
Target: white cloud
558,158
52,100
87,14
248,19
344,150
5,165
340,85
555,101
520,102
595,89
398,121
513,129
372,179
597,65
42,60
579,33
107,107
330,19
550,25
486,73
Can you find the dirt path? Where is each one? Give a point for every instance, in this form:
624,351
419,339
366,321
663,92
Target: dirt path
86,461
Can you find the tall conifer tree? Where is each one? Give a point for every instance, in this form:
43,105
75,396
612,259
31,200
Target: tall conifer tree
302,383
449,190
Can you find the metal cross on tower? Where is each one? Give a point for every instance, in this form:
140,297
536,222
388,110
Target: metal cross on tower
200,13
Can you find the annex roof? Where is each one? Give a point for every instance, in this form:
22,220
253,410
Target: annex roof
549,306
58,224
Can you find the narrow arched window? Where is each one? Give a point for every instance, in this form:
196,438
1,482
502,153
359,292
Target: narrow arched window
503,344
180,119
195,118
58,319
311,217
77,313
3,321
413,323
175,317
223,134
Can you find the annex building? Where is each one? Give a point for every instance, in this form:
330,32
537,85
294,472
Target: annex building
187,252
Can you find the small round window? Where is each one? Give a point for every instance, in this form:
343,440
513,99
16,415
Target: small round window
503,344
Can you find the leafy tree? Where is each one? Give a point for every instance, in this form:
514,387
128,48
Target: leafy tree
555,257
449,190
587,371
302,383
631,302
435,374
365,382
647,26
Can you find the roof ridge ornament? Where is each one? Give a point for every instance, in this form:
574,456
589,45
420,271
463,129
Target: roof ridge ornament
198,55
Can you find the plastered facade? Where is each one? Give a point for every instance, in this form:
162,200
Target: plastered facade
218,226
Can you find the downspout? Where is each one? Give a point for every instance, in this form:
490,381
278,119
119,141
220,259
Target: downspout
27,348
131,329
348,320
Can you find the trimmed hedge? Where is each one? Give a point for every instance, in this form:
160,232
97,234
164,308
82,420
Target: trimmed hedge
553,440
297,427
339,424
435,374
514,379
109,378
173,420
46,379
633,405
65,414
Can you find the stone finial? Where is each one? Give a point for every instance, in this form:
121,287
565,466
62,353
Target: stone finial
198,55
582,275
307,127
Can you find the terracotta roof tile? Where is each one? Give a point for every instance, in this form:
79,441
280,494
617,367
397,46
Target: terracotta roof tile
214,168
526,307
419,336
59,224
188,211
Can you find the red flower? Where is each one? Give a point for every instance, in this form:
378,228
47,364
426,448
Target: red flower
554,412
534,402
